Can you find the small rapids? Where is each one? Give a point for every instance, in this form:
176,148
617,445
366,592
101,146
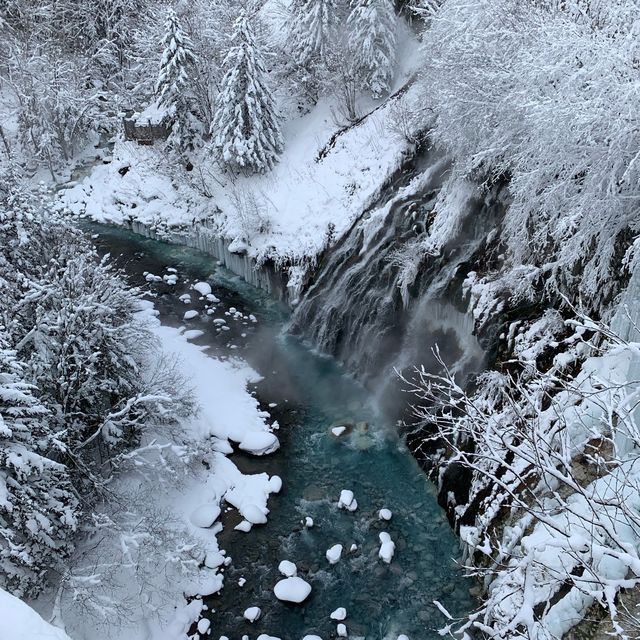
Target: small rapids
308,394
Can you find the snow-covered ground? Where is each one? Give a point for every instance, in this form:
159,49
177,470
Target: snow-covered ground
327,175
162,546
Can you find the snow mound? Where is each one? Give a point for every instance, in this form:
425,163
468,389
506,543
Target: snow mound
347,500
339,614
203,625
288,569
259,443
203,288
252,613
385,514
275,484
190,315
387,547
334,553
342,631
292,590
312,638
193,334
245,526
205,515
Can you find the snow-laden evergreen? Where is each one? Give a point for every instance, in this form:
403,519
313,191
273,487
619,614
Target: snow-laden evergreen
372,42
38,509
173,78
246,129
312,27
173,84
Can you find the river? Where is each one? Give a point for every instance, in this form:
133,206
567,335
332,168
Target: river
311,393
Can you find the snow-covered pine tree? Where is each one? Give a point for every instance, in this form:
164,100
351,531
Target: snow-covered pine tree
312,26
372,38
245,128
172,86
37,507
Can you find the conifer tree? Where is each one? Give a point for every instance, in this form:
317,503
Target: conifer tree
312,26
172,86
245,127
372,38
37,507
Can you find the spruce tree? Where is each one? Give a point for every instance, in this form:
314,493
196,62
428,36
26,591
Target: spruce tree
312,26
37,507
172,86
372,38
245,127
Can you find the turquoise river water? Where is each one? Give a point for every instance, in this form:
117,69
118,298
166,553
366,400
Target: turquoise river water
311,394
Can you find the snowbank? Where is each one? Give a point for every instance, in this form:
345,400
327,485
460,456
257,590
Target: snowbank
23,622
152,581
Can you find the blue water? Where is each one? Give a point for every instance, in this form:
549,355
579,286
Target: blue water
312,394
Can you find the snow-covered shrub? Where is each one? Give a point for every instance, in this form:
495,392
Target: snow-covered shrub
551,522
38,509
79,385
545,93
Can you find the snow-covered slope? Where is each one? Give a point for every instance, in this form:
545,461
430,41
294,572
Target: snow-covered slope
18,621
329,172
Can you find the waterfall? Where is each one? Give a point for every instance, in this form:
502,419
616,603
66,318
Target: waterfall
355,309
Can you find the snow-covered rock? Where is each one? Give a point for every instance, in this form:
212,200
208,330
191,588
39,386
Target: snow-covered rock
338,431
245,526
387,547
342,631
190,315
264,636
203,288
275,484
308,522
347,500
205,515
334,553
312,638
288,569
192,334
203,625
339,614
259,443
292,590
385,514
403,637
213,559
252,613
254,514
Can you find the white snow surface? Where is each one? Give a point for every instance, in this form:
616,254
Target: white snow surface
334,554
252,613
288,569
293,589
387,547
347,500
339,614
20,622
